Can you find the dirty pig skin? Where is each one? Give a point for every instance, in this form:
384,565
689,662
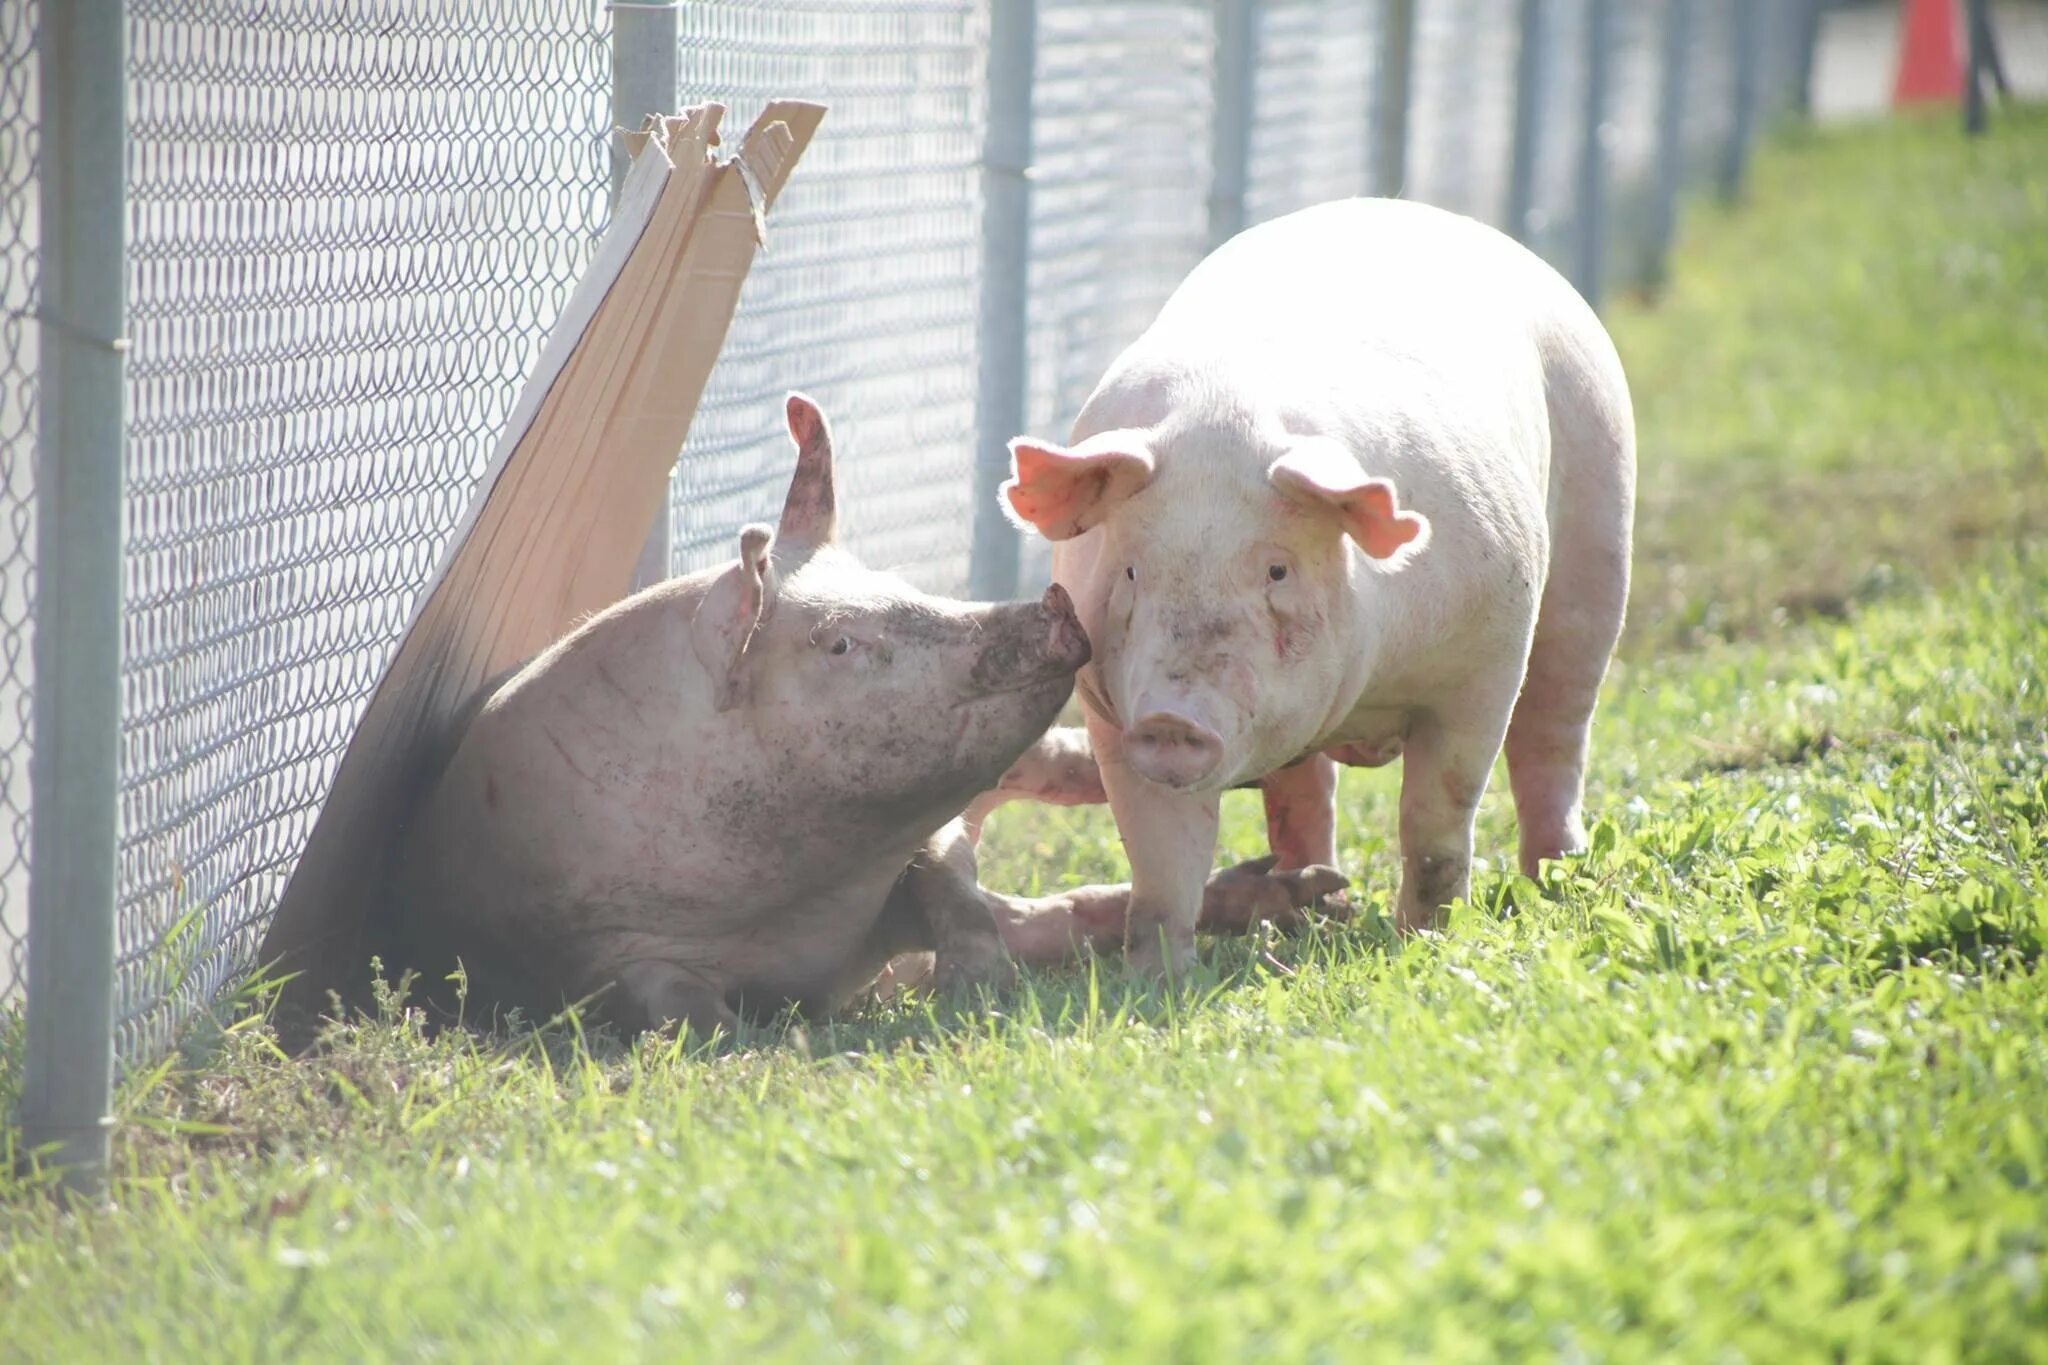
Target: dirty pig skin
735,791
1364,490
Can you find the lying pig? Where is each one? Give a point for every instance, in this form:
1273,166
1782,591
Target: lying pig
1363,490
735,791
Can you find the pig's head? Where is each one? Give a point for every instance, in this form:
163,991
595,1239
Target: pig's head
1222,590
868,702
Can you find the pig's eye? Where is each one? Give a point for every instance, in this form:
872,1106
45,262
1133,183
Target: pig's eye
1131,572
1277,572
840,646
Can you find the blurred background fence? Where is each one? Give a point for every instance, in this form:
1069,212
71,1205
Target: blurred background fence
350,224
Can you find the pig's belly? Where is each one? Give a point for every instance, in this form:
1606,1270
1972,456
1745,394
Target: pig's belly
1369,736
804,955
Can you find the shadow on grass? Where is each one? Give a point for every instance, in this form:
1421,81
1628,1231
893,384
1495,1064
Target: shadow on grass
1083,998
395,1072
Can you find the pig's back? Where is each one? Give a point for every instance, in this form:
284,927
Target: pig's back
1443,351
1383,274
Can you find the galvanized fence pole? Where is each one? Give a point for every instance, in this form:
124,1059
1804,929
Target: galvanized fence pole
1528,131
1981,65
1396,79
1590,257
1230,135
1004,327
643,83
1742,120
1671,94
1805,49
74,764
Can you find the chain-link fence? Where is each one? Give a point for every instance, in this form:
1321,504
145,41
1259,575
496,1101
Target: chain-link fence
352,222
865,298
351,225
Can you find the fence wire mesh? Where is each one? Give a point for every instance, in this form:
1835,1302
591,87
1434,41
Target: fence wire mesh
353,221
1314,127
866,295
1461,123
1121,106
351,224
18,237
1629,139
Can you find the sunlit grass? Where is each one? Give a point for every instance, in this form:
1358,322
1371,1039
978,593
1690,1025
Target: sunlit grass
1764,1076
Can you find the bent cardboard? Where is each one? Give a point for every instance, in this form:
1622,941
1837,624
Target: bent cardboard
558,520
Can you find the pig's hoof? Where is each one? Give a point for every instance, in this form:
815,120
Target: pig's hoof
905,973
1335,906
1156,954
982,969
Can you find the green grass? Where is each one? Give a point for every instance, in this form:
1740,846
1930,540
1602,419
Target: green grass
1842,394
1764,1076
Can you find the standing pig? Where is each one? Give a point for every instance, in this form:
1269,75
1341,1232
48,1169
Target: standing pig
735,791
1364,489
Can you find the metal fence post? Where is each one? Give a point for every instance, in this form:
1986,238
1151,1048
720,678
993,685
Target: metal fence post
74,765
1981,64
1670,140
1805,48
1529,73
1230,135
1590,261
1742,123
1396,77
643,83
994,562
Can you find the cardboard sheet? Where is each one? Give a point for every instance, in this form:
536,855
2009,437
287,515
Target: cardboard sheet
559,518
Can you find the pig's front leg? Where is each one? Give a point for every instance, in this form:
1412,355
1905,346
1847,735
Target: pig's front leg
651,994
939,888
1443,774
1170,838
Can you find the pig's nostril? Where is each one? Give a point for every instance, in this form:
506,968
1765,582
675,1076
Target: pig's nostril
1171,750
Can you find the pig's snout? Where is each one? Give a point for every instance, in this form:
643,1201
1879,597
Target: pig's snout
1026,643
1066,644
1171,749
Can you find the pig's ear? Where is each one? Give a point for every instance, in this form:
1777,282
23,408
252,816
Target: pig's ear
1061,493
730,614
1321,476
810,514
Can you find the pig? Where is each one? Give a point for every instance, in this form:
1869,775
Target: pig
1364,490
732,793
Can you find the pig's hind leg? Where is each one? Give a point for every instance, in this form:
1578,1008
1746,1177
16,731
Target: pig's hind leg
1445,762
1301,813
1058,770
1047,931
1584,600
1301,829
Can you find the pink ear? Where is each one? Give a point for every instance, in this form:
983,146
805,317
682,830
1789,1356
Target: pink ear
810,511
1063,492
1321,475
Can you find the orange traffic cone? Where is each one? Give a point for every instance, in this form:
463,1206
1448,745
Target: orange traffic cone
1930,54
